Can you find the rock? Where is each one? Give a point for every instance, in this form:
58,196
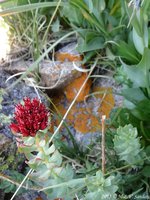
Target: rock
31,195
58,74
84,118
68,53
72,89
53,74
4,143
9,157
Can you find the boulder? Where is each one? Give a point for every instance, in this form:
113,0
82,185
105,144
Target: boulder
54,74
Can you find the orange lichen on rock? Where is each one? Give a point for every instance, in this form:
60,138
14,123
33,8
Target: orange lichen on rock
85,123
39,198
80,123
68,53
107,100
85,118
72,89
60,56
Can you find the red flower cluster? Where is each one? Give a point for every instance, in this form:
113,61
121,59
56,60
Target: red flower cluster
30,117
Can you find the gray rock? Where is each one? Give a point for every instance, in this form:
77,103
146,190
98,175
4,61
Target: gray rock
58,74
54,74
70,49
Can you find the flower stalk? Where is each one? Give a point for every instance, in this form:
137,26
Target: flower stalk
103,144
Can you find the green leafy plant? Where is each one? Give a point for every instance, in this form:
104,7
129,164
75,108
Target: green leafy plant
11,185
30,36
99,24
51,171
100,187
61,171
134,72
127,145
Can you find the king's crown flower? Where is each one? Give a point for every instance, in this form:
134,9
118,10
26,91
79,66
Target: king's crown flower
30,117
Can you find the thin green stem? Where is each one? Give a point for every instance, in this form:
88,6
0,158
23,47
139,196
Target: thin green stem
46,32
68,183
7,178
127,166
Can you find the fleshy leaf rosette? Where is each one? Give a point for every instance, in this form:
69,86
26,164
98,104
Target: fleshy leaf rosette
100,187
127,145
30,117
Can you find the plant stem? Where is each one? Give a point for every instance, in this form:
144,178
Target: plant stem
103,143
16,183
54,14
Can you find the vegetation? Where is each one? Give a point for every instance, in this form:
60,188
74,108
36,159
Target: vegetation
109,33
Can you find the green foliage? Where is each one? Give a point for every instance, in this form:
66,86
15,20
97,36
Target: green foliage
46,160
146,171
8,186
134,73
102,28
23,6
10,159
5,119
137,90
139,74
99,23
101,188
127,145
33,34
128,52
139,22
56,177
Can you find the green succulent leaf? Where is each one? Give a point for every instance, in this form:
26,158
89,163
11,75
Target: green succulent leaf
100,187
127,145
